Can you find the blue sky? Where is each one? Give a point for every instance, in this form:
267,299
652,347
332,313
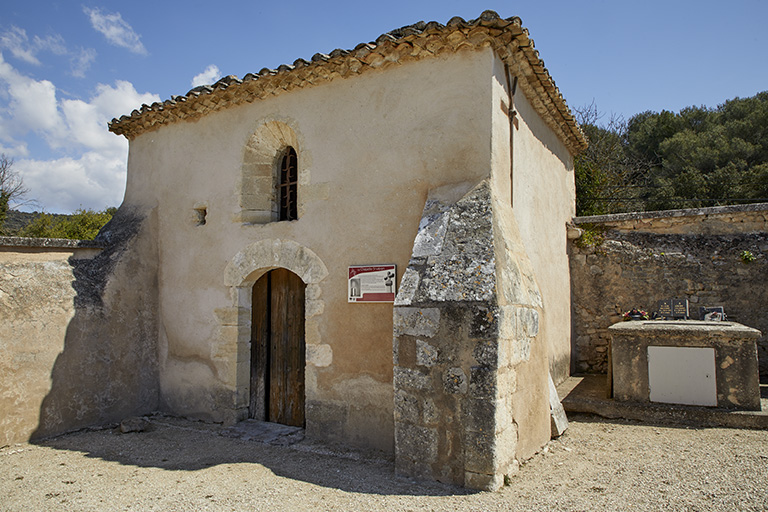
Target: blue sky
67,68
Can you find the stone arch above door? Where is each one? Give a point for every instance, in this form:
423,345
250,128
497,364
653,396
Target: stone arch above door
261,155
245,268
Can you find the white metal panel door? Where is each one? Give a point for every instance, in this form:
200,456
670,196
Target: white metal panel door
682,375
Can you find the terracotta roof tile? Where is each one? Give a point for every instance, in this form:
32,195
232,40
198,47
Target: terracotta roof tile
507,37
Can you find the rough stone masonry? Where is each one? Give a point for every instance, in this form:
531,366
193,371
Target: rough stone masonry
699,255
454,371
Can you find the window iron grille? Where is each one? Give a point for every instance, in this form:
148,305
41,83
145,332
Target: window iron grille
288,187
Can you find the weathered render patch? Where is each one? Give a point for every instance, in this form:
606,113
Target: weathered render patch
91,275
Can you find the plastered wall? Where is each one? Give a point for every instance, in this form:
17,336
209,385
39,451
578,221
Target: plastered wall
534,199
369,149
77,331
37,306
541,191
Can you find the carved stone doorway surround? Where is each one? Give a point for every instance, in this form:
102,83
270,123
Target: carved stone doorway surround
245,268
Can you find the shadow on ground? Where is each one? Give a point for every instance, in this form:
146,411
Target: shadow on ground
174,444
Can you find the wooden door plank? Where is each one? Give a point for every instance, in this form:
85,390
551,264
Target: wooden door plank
294,399
278,341
278,349
259,348
287,358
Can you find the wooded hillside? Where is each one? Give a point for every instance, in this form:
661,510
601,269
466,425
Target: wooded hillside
697,157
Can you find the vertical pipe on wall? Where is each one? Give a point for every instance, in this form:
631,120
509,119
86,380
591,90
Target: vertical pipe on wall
511,113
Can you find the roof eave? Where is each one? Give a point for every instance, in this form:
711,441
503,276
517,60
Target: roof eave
508,38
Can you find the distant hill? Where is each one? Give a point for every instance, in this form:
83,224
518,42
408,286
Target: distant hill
16,220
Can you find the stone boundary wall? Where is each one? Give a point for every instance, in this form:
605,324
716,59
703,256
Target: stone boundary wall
36,307
746,218
18,243
77,331
645,257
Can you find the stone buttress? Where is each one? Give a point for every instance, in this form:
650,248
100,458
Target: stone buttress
465,316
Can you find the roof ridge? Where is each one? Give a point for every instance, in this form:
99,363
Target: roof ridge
411,42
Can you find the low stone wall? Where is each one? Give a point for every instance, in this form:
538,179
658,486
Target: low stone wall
646,257
748,218
76,347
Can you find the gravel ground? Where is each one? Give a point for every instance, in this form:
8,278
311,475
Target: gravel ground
179,465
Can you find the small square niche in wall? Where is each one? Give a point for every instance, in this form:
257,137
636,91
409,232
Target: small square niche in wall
200,213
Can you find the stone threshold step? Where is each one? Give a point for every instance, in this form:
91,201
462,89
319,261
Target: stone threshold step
588,394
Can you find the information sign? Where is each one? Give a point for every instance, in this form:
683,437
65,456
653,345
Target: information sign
371,283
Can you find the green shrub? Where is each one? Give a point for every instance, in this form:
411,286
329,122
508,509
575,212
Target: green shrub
84,224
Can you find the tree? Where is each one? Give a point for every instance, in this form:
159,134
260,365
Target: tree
84,224
702,156
608,178
12,189
647,130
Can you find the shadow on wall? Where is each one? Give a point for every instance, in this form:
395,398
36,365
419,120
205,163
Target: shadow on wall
107,369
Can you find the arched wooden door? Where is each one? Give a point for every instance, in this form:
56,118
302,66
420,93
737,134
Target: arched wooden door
277,349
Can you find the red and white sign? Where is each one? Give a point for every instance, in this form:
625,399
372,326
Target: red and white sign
372,283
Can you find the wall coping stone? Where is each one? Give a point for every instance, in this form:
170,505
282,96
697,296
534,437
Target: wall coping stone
48,243
687,212
686,326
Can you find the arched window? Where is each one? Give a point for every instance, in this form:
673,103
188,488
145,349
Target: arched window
287,188
268,187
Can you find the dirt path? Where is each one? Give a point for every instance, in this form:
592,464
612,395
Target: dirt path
179,465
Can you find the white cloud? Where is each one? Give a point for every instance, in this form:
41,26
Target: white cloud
94,180
54,44
87,121
208,76
34,105
17,43
31,103
92,172
15,151
116,30
81,61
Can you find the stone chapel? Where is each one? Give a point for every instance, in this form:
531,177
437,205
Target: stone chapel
256,208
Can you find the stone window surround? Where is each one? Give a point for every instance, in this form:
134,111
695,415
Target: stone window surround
262,155
245,268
